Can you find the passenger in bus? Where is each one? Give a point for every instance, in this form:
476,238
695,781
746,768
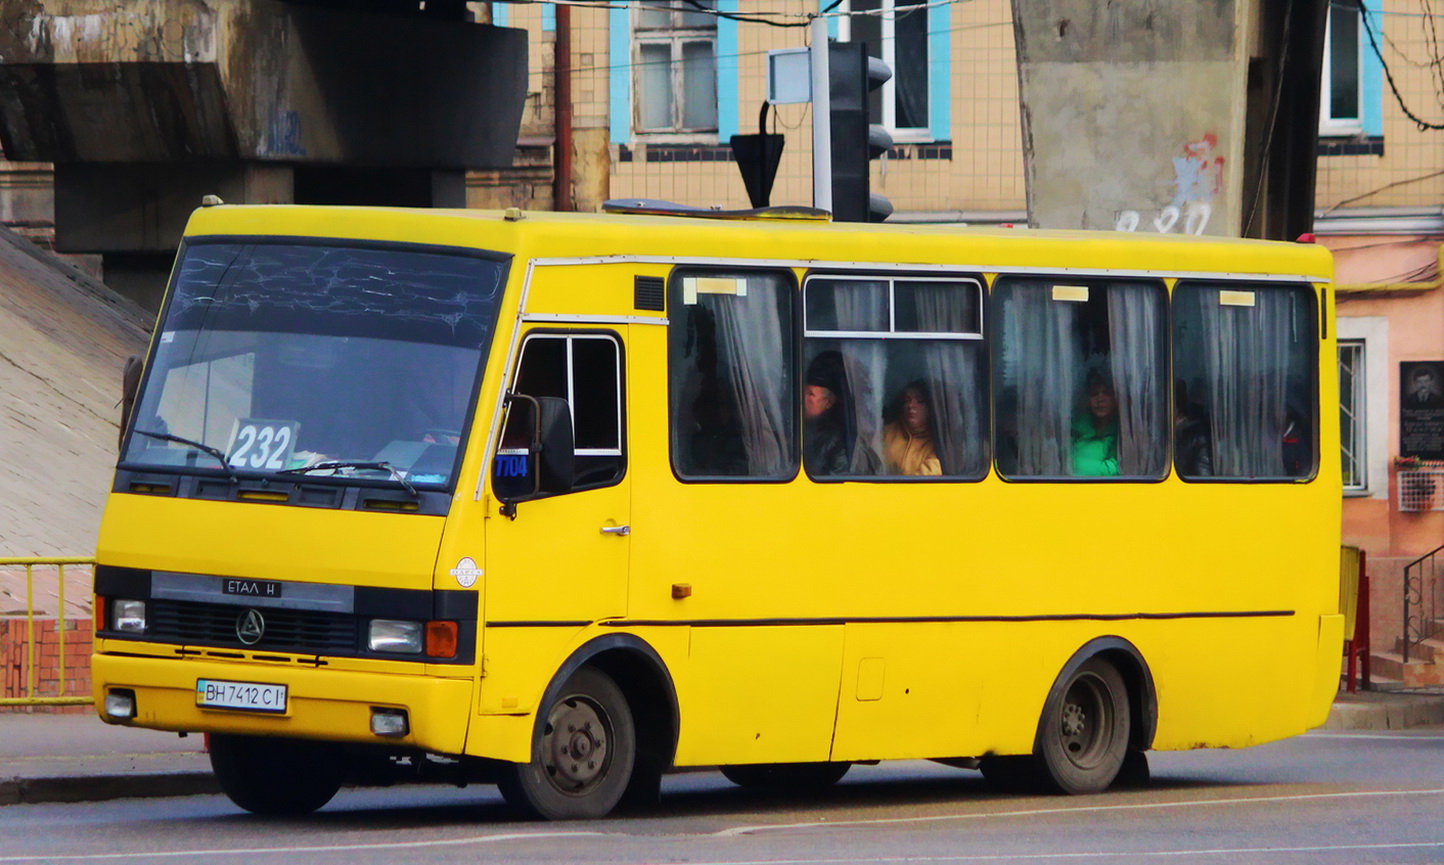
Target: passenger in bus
1192,440
907,441
1095,430
824,427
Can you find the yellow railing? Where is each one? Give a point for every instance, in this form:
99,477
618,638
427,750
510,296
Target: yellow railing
32,667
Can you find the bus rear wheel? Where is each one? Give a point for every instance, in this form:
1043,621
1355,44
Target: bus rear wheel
786,777
1083,737
279,777
585,756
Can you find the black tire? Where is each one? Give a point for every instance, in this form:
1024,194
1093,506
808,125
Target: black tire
278,777
786,777
1083,736
584,759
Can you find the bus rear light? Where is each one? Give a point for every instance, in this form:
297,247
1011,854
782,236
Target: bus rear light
441,639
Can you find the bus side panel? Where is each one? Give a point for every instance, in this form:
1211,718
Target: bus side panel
1234,682
900,680
759,695
521,662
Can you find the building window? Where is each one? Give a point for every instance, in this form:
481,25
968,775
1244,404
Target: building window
1352,88
676,67
1352,439
897,33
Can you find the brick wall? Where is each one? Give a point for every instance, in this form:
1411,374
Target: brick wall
15,658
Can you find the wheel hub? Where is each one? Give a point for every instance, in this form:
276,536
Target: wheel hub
575,745
1081,722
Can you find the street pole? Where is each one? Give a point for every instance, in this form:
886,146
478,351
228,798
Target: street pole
821,116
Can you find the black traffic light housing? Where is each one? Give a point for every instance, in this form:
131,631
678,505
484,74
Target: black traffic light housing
852,75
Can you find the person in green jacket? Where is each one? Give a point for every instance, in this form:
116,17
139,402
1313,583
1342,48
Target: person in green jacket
1095,431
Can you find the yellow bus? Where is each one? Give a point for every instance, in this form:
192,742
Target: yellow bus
562,502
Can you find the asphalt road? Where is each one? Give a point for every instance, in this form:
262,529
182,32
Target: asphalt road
1321,798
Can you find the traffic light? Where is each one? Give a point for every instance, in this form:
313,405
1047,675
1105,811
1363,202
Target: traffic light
852,75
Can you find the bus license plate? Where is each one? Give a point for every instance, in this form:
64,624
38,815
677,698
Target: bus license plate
247,696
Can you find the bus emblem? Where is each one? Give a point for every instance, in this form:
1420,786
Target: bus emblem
466,572
250,627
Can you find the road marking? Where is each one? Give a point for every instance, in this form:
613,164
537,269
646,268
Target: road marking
290,851
1035,812
1112,855
1400,736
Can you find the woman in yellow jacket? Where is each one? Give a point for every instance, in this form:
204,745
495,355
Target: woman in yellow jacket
907,443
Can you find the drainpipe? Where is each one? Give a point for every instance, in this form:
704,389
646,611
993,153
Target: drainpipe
562,149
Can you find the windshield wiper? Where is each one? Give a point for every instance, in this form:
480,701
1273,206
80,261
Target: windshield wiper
356,464
200,446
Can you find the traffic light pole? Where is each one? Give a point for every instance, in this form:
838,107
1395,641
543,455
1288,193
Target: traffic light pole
821,115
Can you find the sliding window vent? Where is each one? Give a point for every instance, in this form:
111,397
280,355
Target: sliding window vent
650,292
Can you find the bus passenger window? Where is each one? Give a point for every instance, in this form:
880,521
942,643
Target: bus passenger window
895,379
1244,366
584,370
731,382
1081,378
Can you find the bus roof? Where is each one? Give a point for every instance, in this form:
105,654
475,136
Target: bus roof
548,235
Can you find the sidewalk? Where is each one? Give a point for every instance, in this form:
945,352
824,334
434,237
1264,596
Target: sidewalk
77,758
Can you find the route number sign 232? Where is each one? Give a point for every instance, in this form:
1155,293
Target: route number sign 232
262,444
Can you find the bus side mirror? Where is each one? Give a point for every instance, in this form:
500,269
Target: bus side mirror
537,453
129,387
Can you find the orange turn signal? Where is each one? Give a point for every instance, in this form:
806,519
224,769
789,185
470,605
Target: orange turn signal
441,639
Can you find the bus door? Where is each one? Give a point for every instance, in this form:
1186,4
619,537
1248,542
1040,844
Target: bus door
560,561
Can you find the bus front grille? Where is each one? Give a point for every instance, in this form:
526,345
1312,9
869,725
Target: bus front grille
297,631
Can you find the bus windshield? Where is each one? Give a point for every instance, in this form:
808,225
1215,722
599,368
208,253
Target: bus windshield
325,360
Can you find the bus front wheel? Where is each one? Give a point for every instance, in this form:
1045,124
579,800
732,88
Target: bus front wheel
281,777
585,756
1083,736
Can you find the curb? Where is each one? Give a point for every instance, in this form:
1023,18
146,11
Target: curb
100,788
1386,715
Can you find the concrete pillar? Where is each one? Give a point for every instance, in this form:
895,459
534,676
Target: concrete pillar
1135,112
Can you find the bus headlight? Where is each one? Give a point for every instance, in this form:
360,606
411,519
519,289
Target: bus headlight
392,635
128,616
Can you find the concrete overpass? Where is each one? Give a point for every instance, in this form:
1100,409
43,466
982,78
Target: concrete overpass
145,106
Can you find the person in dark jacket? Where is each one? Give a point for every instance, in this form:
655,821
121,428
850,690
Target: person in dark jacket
824,427
1192,441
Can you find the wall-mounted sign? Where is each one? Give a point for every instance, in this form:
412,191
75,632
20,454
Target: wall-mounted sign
1421,409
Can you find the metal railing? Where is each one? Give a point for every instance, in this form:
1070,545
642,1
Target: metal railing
32,648
1423,592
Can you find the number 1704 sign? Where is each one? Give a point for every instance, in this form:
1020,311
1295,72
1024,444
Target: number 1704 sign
262,444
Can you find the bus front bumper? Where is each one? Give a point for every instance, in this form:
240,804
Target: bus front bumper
326,704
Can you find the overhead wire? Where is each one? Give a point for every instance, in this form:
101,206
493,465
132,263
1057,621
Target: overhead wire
1424,125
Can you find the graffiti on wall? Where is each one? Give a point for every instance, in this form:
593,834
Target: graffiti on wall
1197,179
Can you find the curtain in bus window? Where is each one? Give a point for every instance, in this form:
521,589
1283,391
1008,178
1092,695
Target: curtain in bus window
863,306
1245,368
1245,360
731,381
955,376
1138,366
748,333
1042,373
